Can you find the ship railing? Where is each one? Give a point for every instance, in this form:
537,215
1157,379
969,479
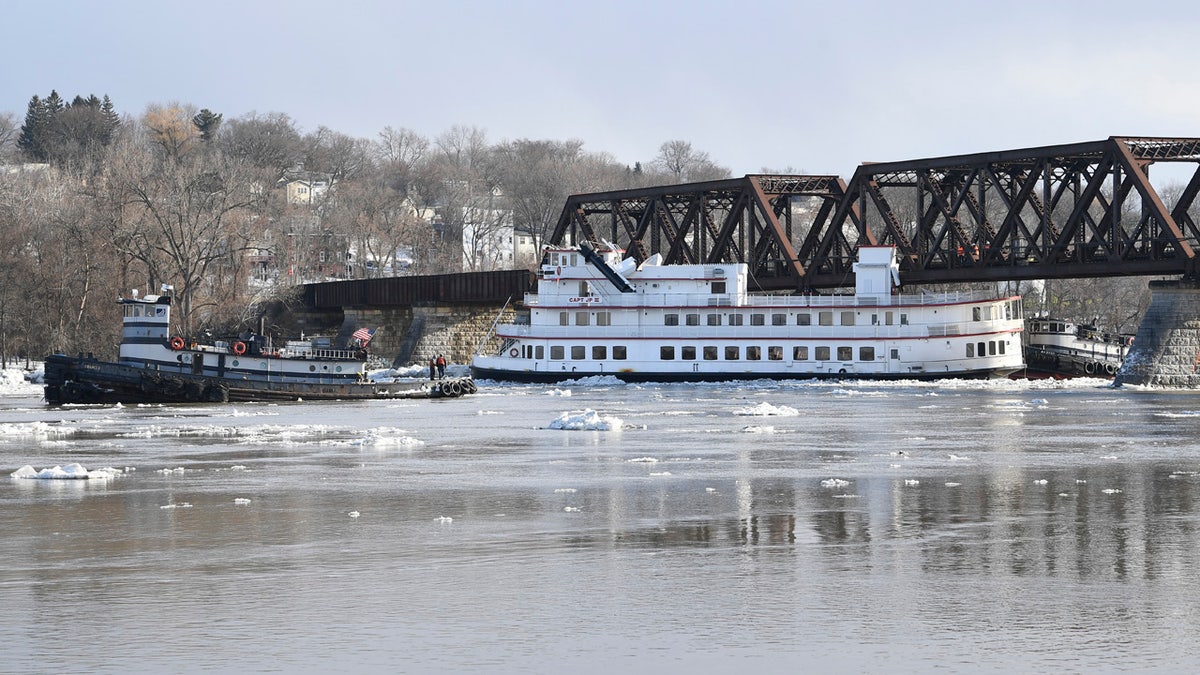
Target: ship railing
783,332
321,354
701,300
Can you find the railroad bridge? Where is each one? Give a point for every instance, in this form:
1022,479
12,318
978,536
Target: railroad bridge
1061,211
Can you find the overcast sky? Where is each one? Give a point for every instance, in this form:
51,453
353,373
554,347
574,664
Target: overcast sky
814,87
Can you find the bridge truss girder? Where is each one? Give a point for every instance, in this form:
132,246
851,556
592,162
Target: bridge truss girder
1078,210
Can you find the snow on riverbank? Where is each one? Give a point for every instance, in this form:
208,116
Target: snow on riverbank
16,381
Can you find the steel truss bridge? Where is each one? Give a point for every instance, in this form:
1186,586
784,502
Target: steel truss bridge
1078,210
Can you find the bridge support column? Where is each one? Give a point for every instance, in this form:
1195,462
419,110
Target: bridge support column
1166,350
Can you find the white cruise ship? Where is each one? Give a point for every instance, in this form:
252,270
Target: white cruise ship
595,313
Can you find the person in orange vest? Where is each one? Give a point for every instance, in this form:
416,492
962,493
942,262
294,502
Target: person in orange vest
441,367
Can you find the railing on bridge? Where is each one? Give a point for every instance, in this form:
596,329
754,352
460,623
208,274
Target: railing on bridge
1078,210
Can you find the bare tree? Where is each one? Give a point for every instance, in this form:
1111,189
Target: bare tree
682,163
182,219
269,141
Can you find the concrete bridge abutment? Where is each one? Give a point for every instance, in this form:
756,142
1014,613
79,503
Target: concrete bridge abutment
1166,349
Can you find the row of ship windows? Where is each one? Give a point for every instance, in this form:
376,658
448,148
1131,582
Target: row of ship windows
848,318
736,353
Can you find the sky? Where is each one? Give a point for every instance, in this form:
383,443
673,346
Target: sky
797,86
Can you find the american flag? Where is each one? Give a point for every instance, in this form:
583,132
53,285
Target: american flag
363,335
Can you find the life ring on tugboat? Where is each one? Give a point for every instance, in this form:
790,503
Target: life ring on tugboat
239,348
176,343
513,352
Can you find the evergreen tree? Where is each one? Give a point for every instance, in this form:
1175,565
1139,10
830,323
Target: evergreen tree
207,122
33,141
111,119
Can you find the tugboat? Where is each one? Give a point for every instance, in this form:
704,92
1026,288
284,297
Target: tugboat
1060,348
598,313
155,367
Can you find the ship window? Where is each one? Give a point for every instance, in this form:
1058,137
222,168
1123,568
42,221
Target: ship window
775,353
845,353
887,318
1001,347
757,319
564,319
847,318
619,352
903,319
718,287
970,349
714,319
603,318
581,318
735,319
599,352
866,353
578,352
799,353
557,353
976,314
731,354
981,349
874,319
804,319
693,319
822,353
753,353
894,354
825,318
539,352
779,319
687,353
671,320
991,347
584,289
666,353
710,353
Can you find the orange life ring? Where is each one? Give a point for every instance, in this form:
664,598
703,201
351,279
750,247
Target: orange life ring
176,343
513,352
239,348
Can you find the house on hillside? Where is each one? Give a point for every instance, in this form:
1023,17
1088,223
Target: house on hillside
305,187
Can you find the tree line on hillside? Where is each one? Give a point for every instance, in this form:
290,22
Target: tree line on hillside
93,203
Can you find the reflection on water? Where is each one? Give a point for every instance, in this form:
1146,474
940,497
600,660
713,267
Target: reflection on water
908,527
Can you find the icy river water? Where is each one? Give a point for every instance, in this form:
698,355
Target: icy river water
754,527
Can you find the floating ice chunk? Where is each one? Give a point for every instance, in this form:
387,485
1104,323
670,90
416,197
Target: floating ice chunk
765,409
710,489
1111,491
445,520
911,482
956,458
559,392
565,490
1040,481
649,460
660,473
588,420
177,505
834,482
953,484
757,429
73,471
241,501
354,514
571,509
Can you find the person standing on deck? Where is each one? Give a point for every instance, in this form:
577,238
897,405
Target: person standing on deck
441,367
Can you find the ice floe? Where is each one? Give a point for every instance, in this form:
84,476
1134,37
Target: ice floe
588,420
73,471
765,409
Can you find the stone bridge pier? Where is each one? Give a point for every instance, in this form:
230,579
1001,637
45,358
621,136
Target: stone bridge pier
1166,349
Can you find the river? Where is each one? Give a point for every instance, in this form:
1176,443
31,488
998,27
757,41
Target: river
597,527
